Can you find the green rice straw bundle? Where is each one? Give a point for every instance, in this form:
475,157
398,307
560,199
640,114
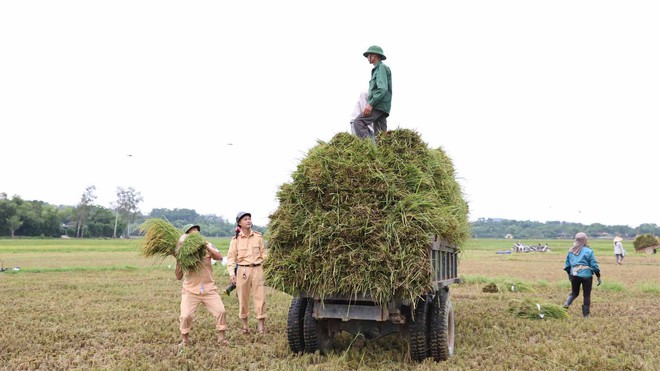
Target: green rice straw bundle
192,252
532,309
516,287
356,218
160,238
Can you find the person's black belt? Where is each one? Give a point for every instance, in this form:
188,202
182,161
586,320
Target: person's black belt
250,265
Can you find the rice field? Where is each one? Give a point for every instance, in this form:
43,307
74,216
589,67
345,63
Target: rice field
97,304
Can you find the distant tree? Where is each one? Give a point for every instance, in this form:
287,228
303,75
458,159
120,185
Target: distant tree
178,217
14,222
127,204
100,222
648,229
66,216
7,210
86,201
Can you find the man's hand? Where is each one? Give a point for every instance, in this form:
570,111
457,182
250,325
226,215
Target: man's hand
367,110
232,280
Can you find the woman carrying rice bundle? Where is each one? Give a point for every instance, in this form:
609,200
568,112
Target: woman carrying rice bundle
199,287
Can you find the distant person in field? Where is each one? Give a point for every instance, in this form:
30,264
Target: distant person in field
358,109
379,100
619,252
581,265
247,249
199,288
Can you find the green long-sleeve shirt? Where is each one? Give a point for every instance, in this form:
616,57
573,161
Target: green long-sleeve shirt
380,88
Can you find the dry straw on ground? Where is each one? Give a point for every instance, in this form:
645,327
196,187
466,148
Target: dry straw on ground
491,287
160,239
357,217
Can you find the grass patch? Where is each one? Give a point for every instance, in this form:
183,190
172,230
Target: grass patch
542,283
649,288
611,286
503,283
75,269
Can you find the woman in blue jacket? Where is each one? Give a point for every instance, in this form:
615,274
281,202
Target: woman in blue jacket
581,265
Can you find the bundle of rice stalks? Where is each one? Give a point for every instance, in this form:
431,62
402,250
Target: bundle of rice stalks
160,238
356,218
516,287
532,309
645,240
192,252
491,287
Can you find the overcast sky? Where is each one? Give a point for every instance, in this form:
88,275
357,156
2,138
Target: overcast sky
549,110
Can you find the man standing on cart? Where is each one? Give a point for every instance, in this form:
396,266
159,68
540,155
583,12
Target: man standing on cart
379,102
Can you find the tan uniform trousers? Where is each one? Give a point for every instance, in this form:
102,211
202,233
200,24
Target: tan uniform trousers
250,280
212,302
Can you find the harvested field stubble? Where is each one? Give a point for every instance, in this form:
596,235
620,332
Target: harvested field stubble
357,217
87,318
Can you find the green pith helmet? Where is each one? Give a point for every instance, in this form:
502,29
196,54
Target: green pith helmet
375,49
188,227
241,215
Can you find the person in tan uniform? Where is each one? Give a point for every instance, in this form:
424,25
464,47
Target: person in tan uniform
248,251
199,287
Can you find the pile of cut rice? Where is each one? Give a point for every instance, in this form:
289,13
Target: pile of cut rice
356,218
533,309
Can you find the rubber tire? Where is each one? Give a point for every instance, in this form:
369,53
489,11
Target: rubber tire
418,332
310,329
441,327
294,324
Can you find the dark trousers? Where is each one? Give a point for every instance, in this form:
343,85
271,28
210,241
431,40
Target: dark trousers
586,288
361,123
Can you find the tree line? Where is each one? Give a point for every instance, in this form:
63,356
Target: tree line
22,218
501,228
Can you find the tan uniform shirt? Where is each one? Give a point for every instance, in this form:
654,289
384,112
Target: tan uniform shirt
200,281
246,250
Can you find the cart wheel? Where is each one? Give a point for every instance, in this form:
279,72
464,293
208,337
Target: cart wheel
294,324
315,333
418,329
441,329
309,329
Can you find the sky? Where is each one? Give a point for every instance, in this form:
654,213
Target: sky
549,110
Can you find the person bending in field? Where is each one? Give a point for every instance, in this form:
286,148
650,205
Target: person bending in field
581,265
247,249
199,287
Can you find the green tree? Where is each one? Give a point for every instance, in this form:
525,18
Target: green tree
100,222
84,206
127,206
67,217
14,222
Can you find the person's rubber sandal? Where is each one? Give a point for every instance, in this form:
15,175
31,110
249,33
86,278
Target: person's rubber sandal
263,331
245,331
